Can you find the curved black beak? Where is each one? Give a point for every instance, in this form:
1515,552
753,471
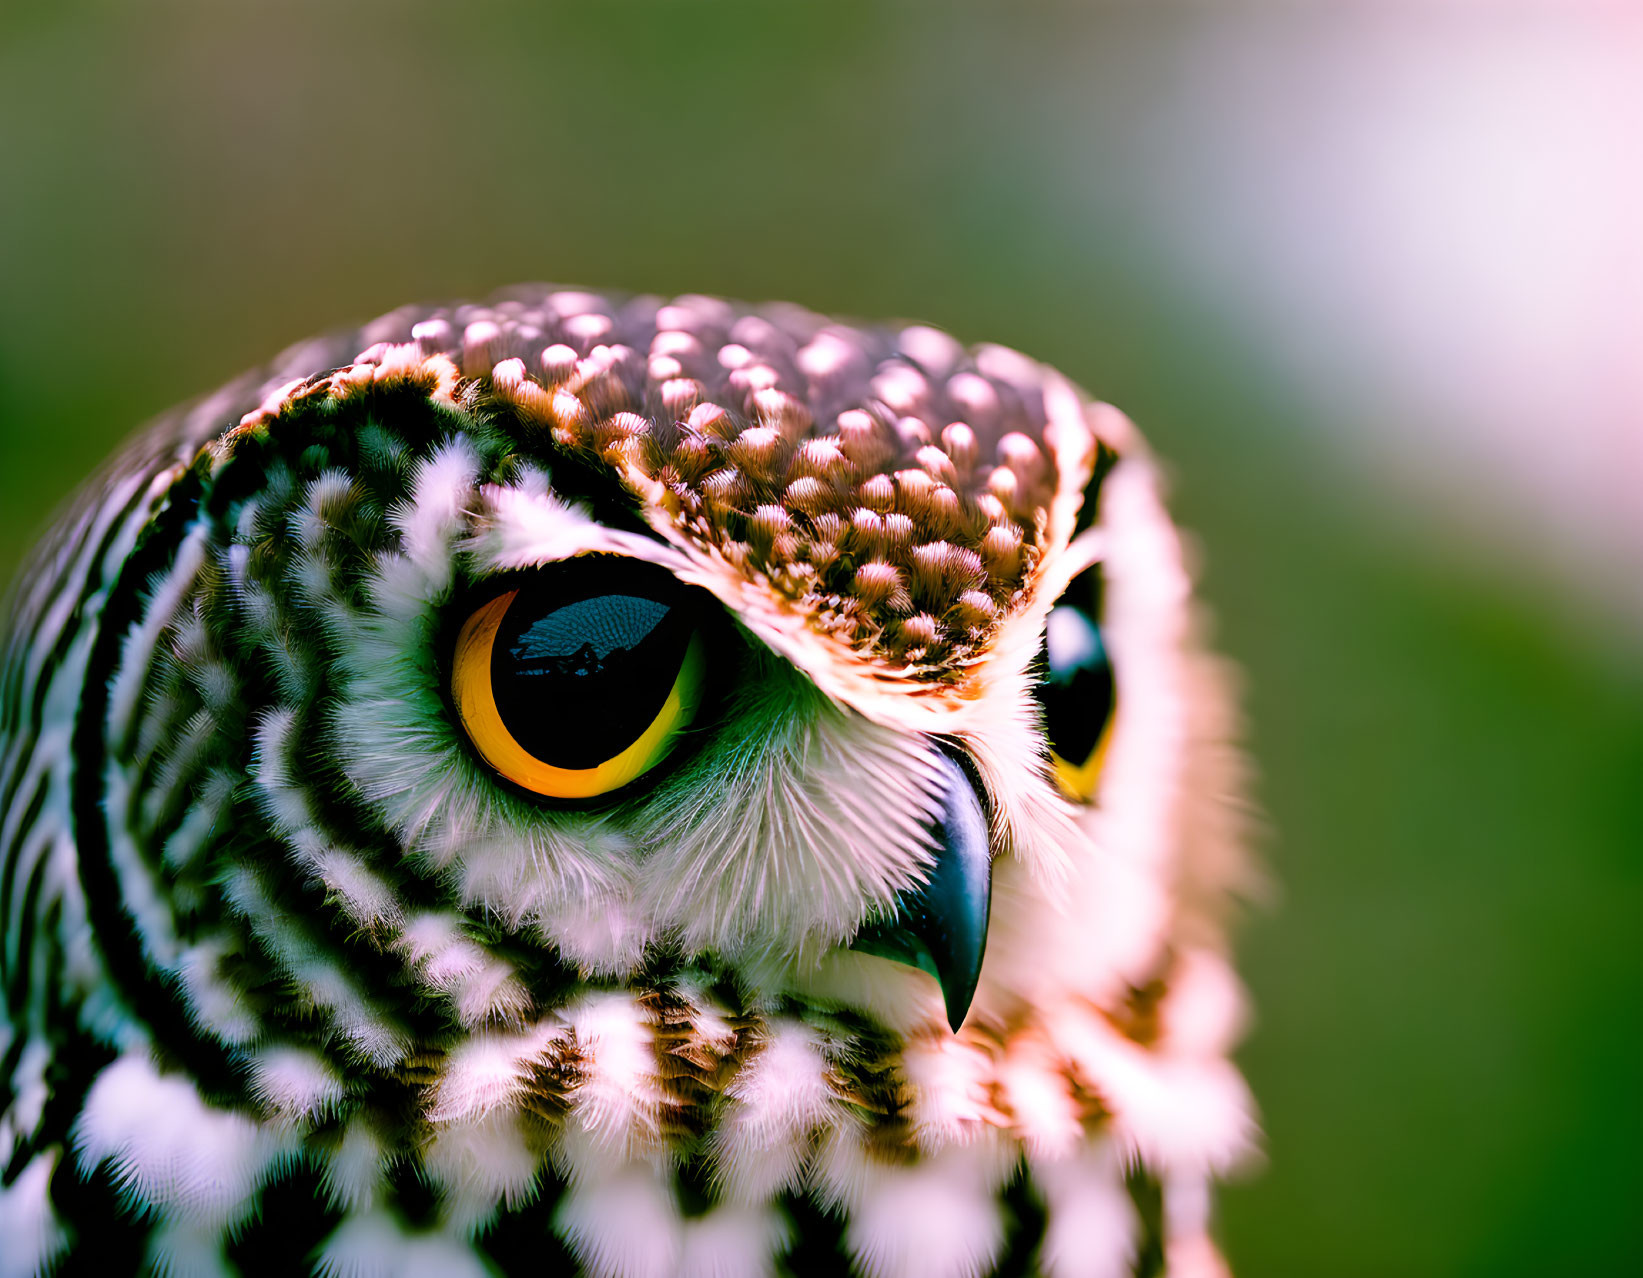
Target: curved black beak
942,927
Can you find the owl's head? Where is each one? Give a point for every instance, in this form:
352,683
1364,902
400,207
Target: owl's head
624,743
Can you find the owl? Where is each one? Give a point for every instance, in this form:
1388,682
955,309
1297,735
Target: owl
583,784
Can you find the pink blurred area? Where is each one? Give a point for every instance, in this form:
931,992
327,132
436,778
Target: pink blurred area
1432,216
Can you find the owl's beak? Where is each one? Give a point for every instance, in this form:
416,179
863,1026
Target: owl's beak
942,927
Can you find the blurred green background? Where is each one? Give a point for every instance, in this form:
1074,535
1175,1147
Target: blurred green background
1448,987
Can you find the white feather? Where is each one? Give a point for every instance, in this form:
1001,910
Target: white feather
733,1242
776,1101
616,1106
353,1169
1036,1092
1204,1013
214,1004
191,836
441,491
1090,1225
623,1223
480,1165
603,933
803,828
376,1244
312,967
30,1089
295,1084
137,647
142,896
187,1250
284,799
936,1218
948,1081
1194,1257
168,1149
1179,1114
520,526
488,1070
481,986
30,1236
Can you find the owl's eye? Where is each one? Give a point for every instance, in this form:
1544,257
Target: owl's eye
1077,691
579,678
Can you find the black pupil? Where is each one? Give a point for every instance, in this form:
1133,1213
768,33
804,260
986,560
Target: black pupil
1077,689
585,658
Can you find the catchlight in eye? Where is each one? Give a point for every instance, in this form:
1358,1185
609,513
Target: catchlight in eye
1077,691
577,679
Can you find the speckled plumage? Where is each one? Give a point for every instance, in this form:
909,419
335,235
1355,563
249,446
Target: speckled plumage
293,983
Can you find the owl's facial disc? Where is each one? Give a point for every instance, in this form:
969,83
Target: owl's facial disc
942,927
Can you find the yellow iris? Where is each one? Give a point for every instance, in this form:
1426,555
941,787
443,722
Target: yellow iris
1078,780
476,706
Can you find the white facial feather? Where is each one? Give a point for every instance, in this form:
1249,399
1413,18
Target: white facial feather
435,516
824,815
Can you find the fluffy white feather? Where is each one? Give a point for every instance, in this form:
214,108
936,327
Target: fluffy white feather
777,1100
616,1107
352,1170
28,1226
376,1244
214,1004
1090,1225
733,1242
937,1218
184,844
622,1223
949,1081
441,491
29,1086
480,986
284,799
482,1164
311,966
489,1070
142,896
169,1149
1186,1114
1036,1092
167,597
297,1085
186,1249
